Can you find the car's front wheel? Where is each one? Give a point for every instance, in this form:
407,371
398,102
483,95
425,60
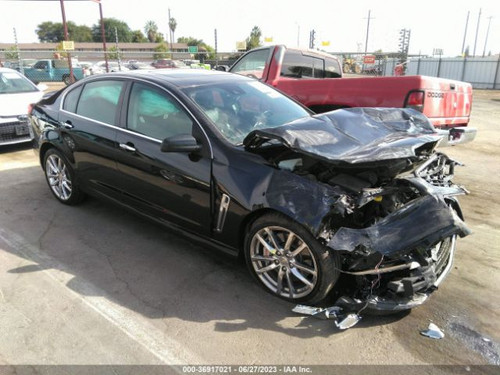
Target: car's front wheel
288,261
60,177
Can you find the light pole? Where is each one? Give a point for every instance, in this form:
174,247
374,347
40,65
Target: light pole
487,33
65,26
103,35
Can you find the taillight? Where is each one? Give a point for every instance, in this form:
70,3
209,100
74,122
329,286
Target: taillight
415,100
30,108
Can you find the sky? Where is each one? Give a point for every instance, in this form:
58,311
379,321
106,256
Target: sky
434,24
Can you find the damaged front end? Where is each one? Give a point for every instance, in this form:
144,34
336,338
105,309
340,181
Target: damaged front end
395,219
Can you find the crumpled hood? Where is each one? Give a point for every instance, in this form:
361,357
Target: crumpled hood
354,135
12,105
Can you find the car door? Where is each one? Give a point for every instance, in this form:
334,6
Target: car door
41,71
88,125
169,186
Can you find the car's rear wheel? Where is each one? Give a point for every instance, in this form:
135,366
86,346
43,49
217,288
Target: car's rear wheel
61,178
288,261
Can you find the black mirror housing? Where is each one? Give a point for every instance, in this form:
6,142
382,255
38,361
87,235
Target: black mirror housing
180,143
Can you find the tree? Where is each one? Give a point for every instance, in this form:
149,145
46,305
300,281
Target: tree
159,38
114,53
253,41
53,32
80,33
190,41
123,30
172,25
161,52
50,32
151,30
12,53
138,37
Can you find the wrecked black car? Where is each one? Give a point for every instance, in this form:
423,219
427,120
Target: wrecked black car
356,204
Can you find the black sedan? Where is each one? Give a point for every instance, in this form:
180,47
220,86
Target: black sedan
355,203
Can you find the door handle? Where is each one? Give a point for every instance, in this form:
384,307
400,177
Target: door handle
68,125
127,147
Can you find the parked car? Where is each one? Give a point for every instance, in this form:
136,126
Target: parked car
168,64
53,71
26,63
17,93
354,202
137,65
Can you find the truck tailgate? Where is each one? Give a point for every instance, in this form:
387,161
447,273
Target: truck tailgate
447,103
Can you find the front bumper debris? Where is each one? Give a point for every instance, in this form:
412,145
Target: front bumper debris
401,292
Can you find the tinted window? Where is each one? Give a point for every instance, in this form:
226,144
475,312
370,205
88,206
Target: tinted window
71,99
297,65
41,65
253,63
332,69
154,113
99,101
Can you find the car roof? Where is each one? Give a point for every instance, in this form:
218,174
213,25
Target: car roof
4,70
182,77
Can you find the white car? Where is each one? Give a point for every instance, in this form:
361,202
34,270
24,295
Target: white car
16,94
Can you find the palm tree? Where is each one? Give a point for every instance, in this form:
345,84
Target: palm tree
151,29
172,24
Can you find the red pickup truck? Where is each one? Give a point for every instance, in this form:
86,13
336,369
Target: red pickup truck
315,79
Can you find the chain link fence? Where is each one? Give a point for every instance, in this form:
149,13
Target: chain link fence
52,66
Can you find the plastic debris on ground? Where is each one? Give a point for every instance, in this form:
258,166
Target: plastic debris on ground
433,332
342,321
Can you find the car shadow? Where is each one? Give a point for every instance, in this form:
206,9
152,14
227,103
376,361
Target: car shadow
142,266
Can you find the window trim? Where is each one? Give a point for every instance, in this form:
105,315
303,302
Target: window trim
126,94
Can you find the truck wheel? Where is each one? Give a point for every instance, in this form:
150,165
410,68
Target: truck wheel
67,80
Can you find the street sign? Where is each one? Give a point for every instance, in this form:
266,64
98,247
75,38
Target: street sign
68,45
193,49
369,59
241,46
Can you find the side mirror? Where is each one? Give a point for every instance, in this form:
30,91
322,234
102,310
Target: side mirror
221,68
180,143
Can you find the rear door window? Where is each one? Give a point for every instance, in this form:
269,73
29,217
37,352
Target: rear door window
99,101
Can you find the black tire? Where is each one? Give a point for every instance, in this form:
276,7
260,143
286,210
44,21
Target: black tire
61,178
67,80
277,248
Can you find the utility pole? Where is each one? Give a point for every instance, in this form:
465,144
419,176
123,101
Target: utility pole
477,32
118,51
103,35
312,36
487,33
367,31
65,25
465,32
216,59
21,67
170,33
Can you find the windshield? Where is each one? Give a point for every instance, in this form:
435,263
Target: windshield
13,82
237,108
